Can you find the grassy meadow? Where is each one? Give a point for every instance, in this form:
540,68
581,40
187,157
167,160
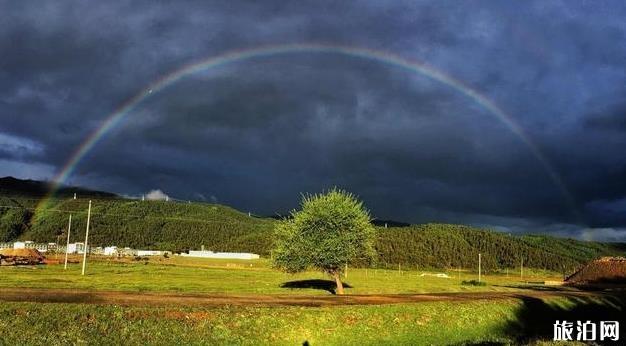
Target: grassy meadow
435,323
193,275
500,321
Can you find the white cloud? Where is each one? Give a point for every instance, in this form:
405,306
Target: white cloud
603,234
156,195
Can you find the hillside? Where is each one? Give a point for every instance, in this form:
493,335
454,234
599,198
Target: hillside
443,245
179,226
149,224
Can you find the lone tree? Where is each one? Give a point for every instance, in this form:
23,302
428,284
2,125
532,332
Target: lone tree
332,230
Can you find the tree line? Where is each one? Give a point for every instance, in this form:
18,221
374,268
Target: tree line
180,226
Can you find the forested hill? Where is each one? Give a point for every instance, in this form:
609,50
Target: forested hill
449,246
139,224
180,226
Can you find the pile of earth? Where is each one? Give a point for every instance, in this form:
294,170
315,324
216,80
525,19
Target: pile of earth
606,270
9,257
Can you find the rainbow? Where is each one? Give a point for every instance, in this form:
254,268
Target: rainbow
116,118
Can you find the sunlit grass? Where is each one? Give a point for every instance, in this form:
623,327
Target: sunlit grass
431,323
428,323
179,274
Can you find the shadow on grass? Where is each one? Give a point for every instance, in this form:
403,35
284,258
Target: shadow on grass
535,318
540,288
317,284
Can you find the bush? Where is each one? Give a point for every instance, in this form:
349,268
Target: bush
473,283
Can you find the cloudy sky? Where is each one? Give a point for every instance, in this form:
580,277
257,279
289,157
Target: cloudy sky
258,132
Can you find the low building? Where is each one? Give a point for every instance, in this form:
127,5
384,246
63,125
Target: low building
222,255
150,253
127,252
111,251
41,247
77,248
53,247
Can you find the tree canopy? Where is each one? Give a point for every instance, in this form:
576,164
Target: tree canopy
331,230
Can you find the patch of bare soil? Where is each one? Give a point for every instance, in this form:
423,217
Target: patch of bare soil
20,257
606,270
171,299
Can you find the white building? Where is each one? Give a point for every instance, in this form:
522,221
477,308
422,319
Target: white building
110,251
149,253
29,244
78,248
224,255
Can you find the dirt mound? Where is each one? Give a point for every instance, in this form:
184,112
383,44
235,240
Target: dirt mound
20,257
606,270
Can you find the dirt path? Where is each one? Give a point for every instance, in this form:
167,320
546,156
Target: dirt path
174,299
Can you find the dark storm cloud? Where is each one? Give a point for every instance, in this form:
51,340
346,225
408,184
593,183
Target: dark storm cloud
257,133
612,118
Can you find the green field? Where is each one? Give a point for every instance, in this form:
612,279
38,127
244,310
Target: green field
438,323
507,321
417,324
178,274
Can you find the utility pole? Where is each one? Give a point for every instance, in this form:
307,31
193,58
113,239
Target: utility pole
86,238
67,245
521,270
479,269
346,271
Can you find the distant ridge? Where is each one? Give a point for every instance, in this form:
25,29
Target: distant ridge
11,186
175,226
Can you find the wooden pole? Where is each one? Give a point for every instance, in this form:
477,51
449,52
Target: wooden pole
479,267
86,238
67,245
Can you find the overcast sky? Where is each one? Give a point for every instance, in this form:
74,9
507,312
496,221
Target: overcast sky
257,133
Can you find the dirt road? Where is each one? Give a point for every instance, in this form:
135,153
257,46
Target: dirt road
175,299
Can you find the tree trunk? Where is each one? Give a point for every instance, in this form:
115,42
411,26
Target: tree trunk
338,282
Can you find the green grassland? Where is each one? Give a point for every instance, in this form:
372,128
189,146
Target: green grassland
179,274
434,323
501,321
421,324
